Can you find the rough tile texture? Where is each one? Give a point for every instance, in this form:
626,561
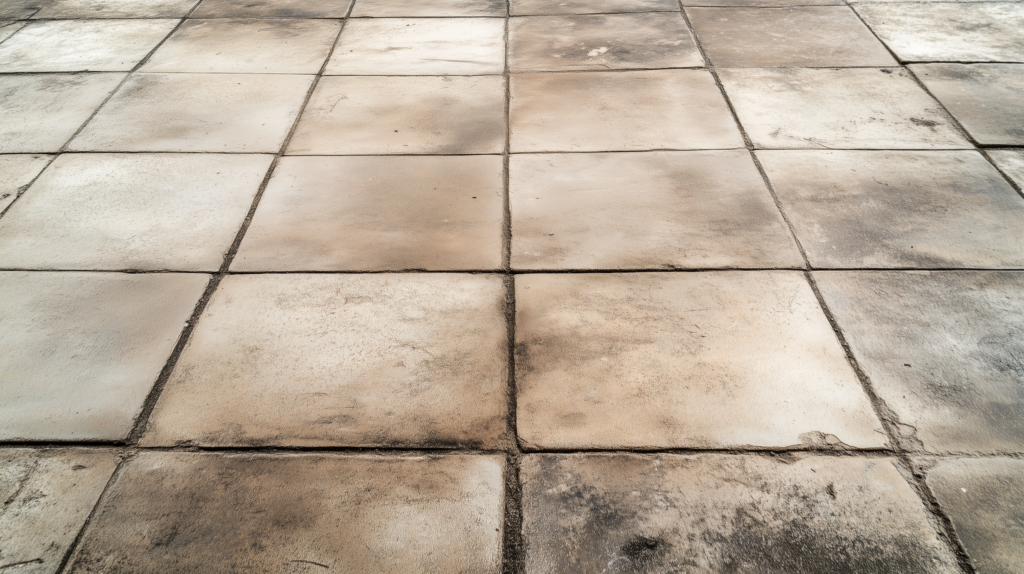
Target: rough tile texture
82,45
645,210
82,350
7,29
984,98
21,8
272,9
620,111
1011,161
528,7
116,9
47,497
378,213
942,349
840,108
357,360
19,171
173,513
899,209
393,8
682,360
725,514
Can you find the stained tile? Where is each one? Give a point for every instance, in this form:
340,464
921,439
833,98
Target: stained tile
17,9
116,9
132,211
529,7
19,171
620,111
354,360
701,360
174,513
272,9
82,45
899,209
984,98
448,8
378,213
851,108
83,350
1011,161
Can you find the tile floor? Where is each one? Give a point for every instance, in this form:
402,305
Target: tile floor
524,287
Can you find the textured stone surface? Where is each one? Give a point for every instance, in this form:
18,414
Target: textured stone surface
984,98
8,28
18,171
1011,161
407,8
116,9
761,3
272,9
82,45
528,7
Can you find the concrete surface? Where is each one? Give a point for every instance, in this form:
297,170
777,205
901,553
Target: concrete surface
82,45
984,98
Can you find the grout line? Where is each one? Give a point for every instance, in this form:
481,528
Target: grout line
515,272
1018,188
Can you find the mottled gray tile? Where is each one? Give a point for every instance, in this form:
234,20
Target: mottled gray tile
82,45
272,9
984,98
533,7
18,171
17,9
448,8
116,9
1011,161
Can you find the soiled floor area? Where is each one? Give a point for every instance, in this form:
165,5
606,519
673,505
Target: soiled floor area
552,286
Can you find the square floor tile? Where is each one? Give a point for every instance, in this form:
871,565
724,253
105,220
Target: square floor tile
48,495
40,112
449,8
82,45
378,213
247,47
720,514
702,360
197,113
177,513
19,171
620,111
959,32
793,108
1011,161
132,211
530,7
272,9
420,46
984,98
389,115
645,210
342,360
116,9
808,36
601,42
942,349
882,209
17,9
83,350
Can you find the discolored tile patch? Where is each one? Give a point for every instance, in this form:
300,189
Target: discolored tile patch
724,514
272,9
942,349
19,171
883,209
1011,161
73,9
18,9
82,45
47,497
984,98
191,512
702,360
378,213
412,8
82,350
535,7
344,360
644,210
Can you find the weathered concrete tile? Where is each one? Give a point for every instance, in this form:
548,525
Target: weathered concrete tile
116,9
620,111
18,9
645,210
899,209
82,45
724,514
1011,161
82,350
793,108
987,32
448,8
532,7
420,46
249,46
8,28
48,495
650,360
272,9
762,3
354,360
402,115
40,112
942,349
197,113
378,213
808,36
132,211
601,42
983,498
984,98
18,171
173,513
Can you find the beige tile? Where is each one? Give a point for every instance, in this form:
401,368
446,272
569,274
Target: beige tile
620,111
19,171
272,9
82,45
956,32
984,98
899,209
197,113
724,514
645,210
82,350
528,7
762,3
40,112
16,9
116,9
247,47
851,108
47,496
132,211
601,42
942,349
347,360
702,360
448,8
1011,161
8,28
421,47
808,36
378,213
173,513
389,115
